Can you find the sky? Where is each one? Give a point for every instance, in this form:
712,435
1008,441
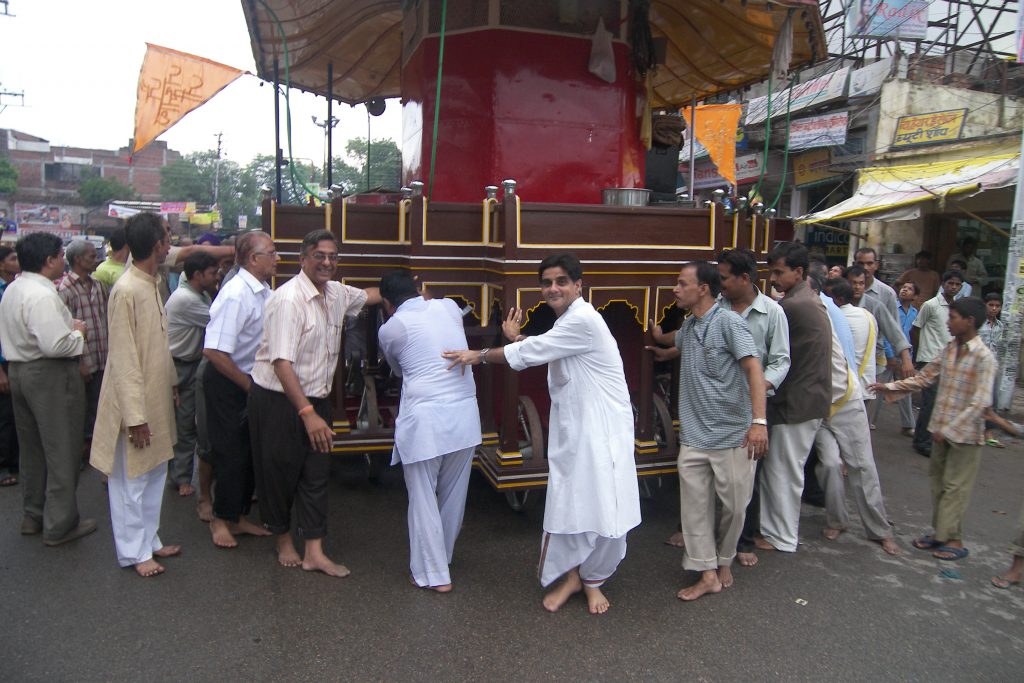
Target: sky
78,64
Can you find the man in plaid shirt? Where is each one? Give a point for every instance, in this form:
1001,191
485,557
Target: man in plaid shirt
964,371
86,298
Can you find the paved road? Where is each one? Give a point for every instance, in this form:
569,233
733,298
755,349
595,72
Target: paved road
69,614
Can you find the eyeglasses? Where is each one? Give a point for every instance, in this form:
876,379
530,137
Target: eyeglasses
323,256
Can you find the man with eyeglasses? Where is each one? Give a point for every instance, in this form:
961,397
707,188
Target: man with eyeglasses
288,402
232,337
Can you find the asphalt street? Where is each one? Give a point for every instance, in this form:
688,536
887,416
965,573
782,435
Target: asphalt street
838,610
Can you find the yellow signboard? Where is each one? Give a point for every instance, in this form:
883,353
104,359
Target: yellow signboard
811,168
927,129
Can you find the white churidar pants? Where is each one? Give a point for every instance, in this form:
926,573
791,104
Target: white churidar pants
437,502
845,438
135,508
597,557
782,482
704,475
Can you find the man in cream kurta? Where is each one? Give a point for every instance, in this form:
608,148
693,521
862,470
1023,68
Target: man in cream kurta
135,433
438,425
592,495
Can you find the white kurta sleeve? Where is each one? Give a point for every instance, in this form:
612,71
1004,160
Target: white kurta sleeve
572,335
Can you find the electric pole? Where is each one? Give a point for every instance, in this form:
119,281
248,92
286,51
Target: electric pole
216,171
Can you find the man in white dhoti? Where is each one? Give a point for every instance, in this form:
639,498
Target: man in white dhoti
134,432
592,496
438,425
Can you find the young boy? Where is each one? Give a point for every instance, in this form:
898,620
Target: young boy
992,334
964,372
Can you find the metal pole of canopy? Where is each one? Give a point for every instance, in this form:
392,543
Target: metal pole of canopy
277,131
330,124
693,143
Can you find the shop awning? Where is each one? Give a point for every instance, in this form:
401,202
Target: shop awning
898,192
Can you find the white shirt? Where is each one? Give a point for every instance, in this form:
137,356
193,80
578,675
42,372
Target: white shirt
842,375
934,335
592,474
236,319
35,323
438,413
862,325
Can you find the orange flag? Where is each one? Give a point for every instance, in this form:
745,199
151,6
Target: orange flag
715,128
171,84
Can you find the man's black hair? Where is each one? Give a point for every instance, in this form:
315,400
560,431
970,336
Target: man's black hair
924,253
854,271
991,296
950,274
839,288
917,287
316,237
33,250
866,250
816,264
143,232
118,239
740,261
398,286
5,251
971,307
793,254
566,261
198,262
816,281
954,262
707,274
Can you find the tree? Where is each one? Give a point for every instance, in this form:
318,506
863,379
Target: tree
95,190
8,177
385,166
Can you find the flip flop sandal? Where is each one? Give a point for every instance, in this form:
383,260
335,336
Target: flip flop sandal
1003,584
957,553
994,443
926,543
9,480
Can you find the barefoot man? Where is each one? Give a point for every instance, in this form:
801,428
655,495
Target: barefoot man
592,495
134,433
232,336
438,425
289,411
722,426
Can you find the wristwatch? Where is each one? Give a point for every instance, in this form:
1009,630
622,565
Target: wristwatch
759,421
483,356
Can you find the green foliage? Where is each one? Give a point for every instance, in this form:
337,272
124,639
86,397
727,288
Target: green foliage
8,177
385,165
95,190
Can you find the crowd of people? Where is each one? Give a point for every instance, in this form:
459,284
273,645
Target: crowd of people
227,381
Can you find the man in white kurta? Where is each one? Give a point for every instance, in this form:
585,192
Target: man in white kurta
438,425
592,495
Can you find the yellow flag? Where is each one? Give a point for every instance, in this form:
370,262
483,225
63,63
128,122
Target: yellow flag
715,128
171,84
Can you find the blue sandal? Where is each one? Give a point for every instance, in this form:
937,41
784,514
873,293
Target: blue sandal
957,553
926,543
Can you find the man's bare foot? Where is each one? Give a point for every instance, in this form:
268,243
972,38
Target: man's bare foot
725,576
597,603
287,555
443,588
149,568
708,583
325,565
168,551
244,526
676,540
831,534
762,544
204,510
890,547
221,532
746,559
563,591
186,489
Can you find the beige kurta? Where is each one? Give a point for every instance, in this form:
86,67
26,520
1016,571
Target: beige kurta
139,378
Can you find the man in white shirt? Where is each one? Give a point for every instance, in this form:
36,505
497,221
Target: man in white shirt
438,425
592,496
845,437
43,345
288,405
232,337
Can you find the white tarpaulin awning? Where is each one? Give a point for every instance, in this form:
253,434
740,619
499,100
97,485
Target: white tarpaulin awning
897,192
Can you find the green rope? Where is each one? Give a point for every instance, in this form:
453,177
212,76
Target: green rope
437,99
785,155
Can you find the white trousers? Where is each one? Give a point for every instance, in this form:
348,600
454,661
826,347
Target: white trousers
845,438
725,474
135,508
437,502
782,482
597,557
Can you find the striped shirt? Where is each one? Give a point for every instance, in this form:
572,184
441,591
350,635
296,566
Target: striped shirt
714,395
88,304
965,374
303,326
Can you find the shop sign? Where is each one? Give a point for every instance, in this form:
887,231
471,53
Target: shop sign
832,242
177,207
818,91
927,129
812,168
748,170
819,131
903,19
868,81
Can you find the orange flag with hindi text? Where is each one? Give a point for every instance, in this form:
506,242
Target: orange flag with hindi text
715,128
171,84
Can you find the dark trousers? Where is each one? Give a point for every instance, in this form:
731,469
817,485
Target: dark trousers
288,470
92,402
8,433
922,437
229,445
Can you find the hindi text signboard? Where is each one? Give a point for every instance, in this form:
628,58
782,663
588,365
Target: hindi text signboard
927,129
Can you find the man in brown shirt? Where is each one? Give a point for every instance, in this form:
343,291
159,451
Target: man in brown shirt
796,410
923,275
